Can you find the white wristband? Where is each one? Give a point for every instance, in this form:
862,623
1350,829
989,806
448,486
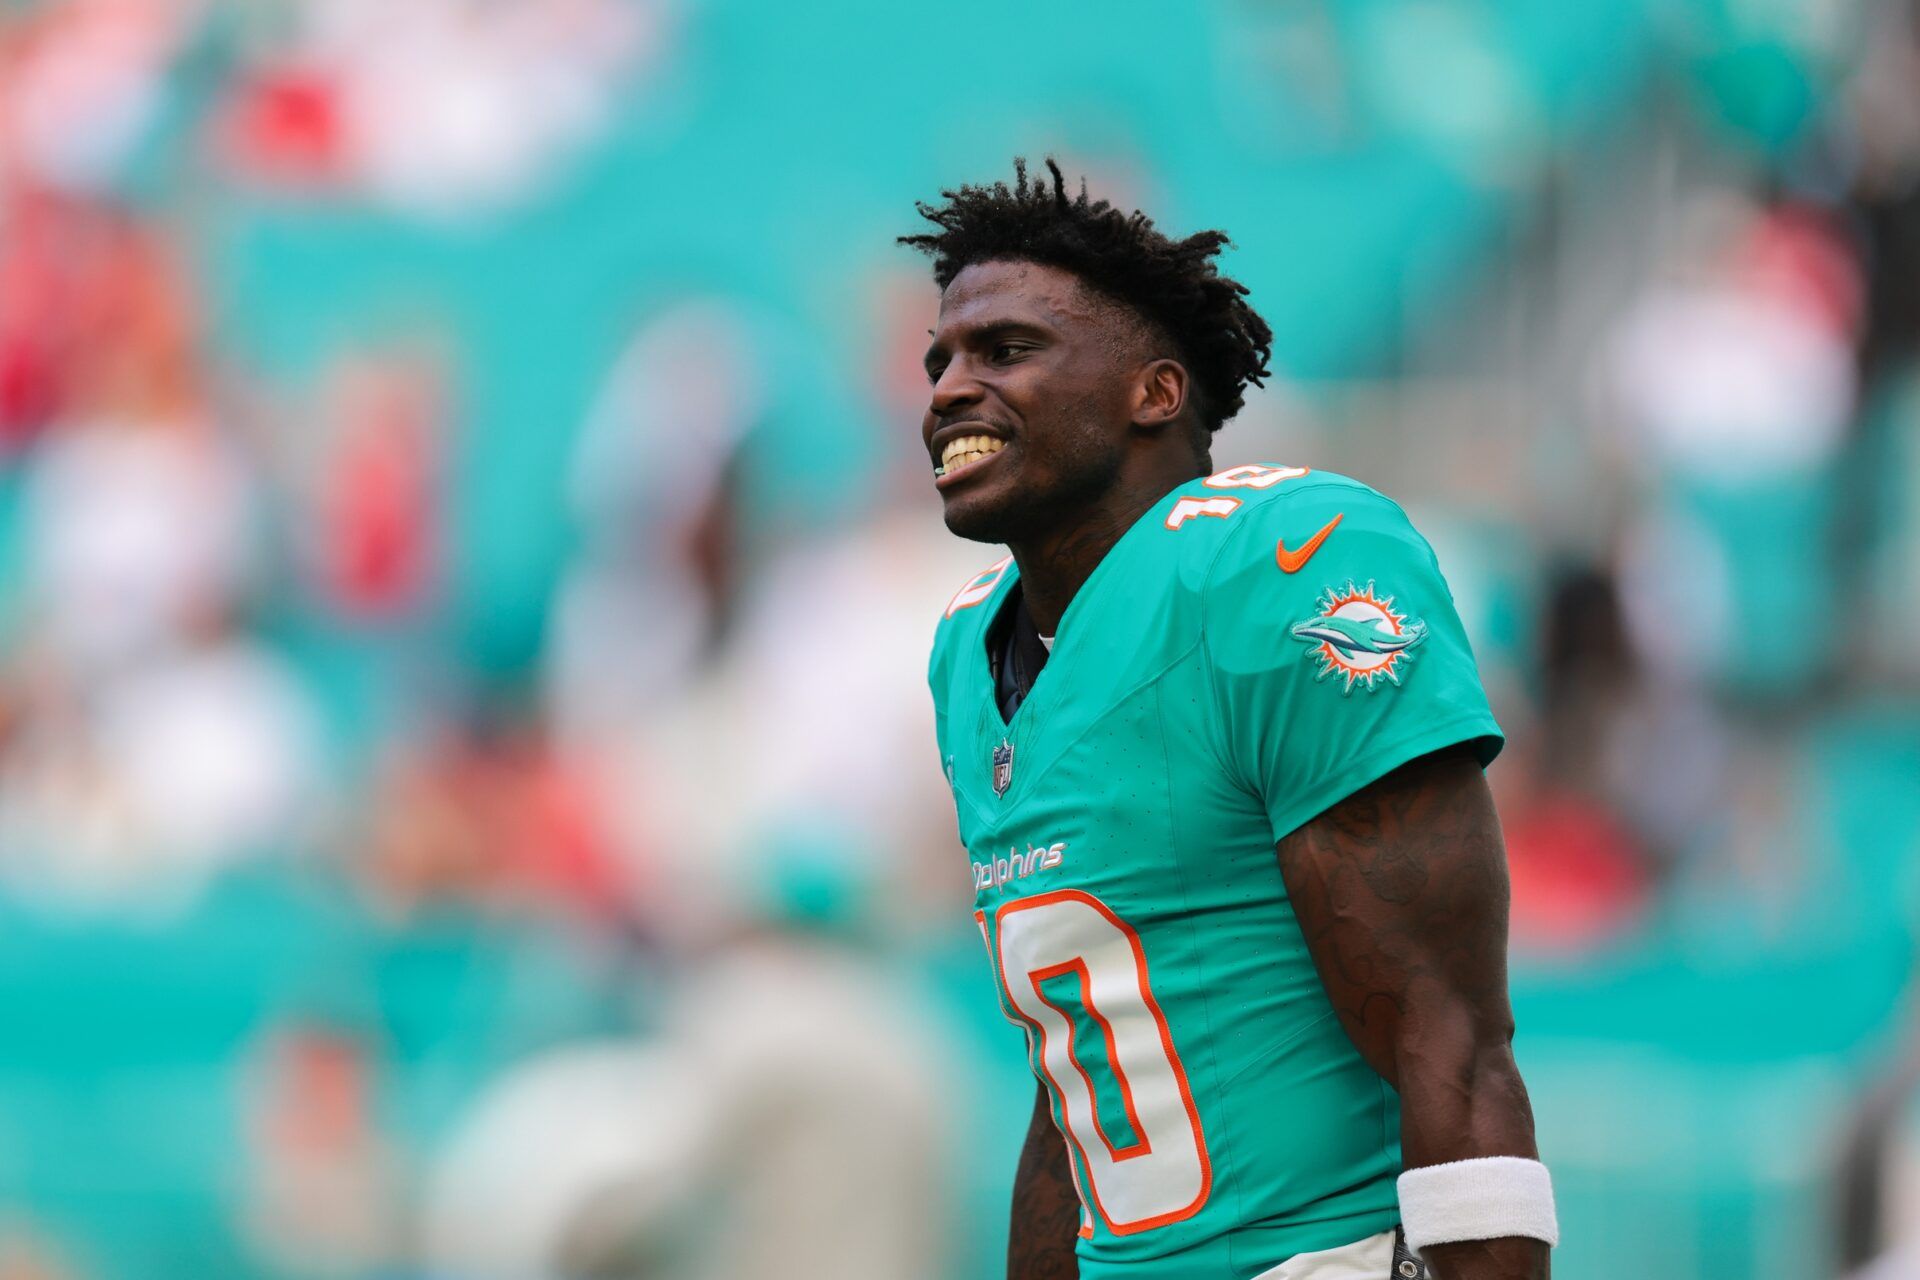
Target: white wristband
1485,1199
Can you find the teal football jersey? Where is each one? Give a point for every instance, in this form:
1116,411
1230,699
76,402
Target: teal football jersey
1260,645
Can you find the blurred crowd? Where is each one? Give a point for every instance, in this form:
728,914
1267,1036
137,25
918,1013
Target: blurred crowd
650,956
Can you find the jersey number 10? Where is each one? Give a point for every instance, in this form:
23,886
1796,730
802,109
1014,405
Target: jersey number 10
1252,475
1068,967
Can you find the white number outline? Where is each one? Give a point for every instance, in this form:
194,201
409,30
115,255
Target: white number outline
979,586
1253,475
1006,1011
1037,1050
1187,508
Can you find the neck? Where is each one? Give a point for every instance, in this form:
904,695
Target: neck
1054,565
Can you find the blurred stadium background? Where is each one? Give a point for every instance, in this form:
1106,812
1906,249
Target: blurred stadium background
467,806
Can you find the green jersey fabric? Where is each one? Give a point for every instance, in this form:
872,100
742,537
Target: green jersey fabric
1201,701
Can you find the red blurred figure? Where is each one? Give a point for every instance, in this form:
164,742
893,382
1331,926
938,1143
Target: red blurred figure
494,819
286,124
1579,878
32,340
378,504
323,1186
96,317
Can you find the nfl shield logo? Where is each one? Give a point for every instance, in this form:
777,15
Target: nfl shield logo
1002,768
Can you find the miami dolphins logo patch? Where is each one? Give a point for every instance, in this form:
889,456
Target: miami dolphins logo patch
1356,634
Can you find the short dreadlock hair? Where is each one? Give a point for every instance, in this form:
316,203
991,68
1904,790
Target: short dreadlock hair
1173,285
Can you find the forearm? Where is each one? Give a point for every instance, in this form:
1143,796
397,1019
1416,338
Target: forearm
1512,1258
1401,893
1474,1105
1046,1209
1464,1111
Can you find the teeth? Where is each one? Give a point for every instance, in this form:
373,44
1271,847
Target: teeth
966,449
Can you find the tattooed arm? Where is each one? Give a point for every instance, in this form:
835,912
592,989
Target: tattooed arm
1401,891
1046,1208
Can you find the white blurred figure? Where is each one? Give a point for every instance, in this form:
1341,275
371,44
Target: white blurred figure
831,1152
636,613
162,743
787,1119
591,1160
827,671
1734,386
216,750
135,531
87,85
783,789
814,714
1735,377
1901,1264
443,108
813,718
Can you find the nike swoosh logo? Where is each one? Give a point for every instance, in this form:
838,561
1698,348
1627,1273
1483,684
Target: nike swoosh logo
1292,561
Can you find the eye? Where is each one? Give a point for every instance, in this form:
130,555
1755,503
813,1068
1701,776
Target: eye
1008,350
934,371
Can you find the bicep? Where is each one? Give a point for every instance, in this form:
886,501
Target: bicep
1401,893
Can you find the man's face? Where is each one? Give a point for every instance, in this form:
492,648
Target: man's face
1030,411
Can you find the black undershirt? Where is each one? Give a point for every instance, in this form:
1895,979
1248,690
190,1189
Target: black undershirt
1015,652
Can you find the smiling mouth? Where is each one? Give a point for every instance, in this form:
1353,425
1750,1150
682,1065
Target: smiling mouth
963,451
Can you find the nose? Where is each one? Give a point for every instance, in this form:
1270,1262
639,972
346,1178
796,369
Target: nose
955,389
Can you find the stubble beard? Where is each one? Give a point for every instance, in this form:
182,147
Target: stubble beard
1025,517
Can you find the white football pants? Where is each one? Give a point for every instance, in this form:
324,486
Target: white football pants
1369,1259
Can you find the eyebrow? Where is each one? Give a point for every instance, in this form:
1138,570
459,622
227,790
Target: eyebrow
981,331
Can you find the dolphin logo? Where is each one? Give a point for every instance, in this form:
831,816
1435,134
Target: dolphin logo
1357,635
1354,636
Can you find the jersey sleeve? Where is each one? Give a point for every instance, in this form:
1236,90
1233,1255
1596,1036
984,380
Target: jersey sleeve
1336,651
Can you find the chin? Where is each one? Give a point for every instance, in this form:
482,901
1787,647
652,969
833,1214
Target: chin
983,517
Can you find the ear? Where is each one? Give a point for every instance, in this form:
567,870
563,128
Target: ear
1159,394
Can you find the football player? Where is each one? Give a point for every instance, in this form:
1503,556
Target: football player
1215,740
